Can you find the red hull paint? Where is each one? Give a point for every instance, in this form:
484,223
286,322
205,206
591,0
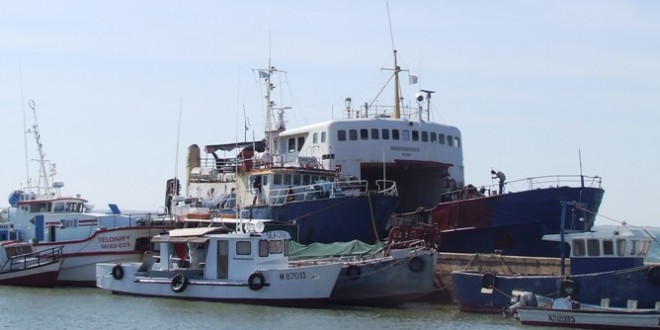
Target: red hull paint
43,280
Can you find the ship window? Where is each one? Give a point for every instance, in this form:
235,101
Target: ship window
450,140
578,248
374,133
296,180
405,135
646,245
322,137
395,134
364,134
608,247
305,180
633,248
286,179
275,247
620,247
434,137
58,207
263,248
415,135
315,138
277,179
441,138
301,142
292,144
341,135
243,248
386,134
352,134
458,142
425,136
593,247
315,178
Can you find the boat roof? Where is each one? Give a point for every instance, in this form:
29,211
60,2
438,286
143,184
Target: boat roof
258,145
622,232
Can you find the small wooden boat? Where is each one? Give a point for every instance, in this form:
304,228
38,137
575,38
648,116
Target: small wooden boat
213,264
22,267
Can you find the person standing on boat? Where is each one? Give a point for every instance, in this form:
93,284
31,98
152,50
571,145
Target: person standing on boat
256,189
499,175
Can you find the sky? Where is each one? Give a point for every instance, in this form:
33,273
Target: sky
122,88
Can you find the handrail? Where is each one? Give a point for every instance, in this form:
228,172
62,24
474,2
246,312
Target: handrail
33,259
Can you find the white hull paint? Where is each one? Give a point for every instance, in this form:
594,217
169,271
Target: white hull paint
587,319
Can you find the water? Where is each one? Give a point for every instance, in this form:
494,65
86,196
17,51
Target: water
86,308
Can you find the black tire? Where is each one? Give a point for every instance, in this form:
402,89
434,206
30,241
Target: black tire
568,287
416,264
117,272
653,275
179,283
353,272
256,281
488,280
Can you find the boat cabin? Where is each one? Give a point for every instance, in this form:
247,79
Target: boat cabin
606,250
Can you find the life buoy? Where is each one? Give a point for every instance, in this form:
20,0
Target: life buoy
353,272
256,281
179,283
488,280
416,264
653,275
568,287
117,272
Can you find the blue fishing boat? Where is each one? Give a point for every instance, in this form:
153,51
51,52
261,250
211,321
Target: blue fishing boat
607,268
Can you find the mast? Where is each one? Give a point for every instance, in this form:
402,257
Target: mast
273,126
43,182
396,113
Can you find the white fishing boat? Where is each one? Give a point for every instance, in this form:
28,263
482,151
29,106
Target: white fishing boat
213,264
567,313
41,215
21,266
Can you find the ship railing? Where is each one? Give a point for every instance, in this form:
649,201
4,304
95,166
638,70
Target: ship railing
319,190
33,259
387,187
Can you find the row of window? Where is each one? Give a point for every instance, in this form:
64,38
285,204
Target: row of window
592,247
266,247
295,144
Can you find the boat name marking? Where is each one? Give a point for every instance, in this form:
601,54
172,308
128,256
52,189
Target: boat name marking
113,242
561,318
292,276
402,148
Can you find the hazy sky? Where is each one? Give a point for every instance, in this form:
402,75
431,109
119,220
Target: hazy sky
531,85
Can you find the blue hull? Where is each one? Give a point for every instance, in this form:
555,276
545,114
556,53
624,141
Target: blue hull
514,222
330,220
617,286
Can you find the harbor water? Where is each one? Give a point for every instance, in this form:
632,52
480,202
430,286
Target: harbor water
87,308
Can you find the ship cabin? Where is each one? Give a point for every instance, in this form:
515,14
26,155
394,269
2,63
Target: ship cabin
414,154
606,250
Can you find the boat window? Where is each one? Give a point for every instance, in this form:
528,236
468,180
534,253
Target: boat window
264,180
301,142
286,179
277,179
405,135
305,180
395,134
441,138
578,248
415,135
646,245
593,247
386,133
352,134
275,247
263,248
633,248
364,134
341,135
285,247
315,178
450,140
374,133
243,248
458,142
58,207
425,136
296,180
292,145
68,223
608,247
223,259
434,137
620,247
322,137
315,138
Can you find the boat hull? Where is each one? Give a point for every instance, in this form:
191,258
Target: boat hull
300,286
586,319
617,286
514,223
340,219
44,275
386,281
116,245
